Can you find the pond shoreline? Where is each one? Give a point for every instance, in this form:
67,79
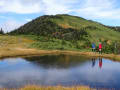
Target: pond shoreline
23,52
34,87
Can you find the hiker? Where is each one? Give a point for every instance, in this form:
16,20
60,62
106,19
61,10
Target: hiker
93,47
100,48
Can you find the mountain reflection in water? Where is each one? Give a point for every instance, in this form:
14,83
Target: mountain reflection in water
58,61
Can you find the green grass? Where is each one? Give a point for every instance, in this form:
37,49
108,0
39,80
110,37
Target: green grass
104,34
44,43
39,42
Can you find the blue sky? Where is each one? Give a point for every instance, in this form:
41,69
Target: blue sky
14,13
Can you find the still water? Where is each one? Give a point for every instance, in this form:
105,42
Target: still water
59,70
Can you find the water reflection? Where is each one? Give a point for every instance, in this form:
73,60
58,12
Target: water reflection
93,62
59,70
58,61
100,62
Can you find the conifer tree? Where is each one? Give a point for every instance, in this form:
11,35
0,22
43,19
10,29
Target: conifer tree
1,31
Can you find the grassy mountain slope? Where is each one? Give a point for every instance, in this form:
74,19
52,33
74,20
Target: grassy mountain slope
65,31
95,30
46,25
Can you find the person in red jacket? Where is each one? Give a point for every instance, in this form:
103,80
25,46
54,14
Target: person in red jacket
100,48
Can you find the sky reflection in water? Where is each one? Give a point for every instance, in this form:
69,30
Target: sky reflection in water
59,70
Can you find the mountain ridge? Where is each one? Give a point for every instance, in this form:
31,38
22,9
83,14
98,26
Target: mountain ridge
67,26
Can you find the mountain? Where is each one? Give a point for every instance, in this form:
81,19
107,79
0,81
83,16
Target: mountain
69,32
67,26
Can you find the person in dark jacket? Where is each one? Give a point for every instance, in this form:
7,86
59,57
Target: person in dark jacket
93,47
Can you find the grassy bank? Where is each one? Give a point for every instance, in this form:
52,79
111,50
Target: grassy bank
52,88
22,52
15,46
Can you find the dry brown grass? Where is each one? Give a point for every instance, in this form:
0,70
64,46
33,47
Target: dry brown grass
55,88
34,87
65,26
20,51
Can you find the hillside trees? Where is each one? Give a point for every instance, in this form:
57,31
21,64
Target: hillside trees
1,31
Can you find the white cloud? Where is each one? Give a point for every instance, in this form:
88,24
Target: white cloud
36,6
29,6
85,8
20,6
95,9
28,19
10,25
1,3
57,6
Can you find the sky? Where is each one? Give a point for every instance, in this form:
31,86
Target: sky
14,13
